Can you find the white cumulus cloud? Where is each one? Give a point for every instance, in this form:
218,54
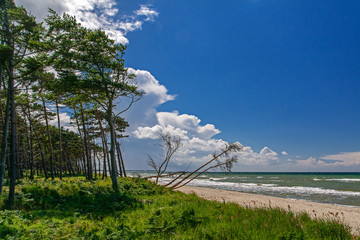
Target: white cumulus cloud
94,14
266,156
147,83
195,137
143,113
345,159
188,122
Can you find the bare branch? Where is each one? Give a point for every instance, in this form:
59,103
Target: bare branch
152,163
235,147
170,144
225,165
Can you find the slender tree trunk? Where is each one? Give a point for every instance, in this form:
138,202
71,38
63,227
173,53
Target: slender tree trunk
4,143
108,156
37,169
27,131
31,149
104,160
11,96
42,155
119,159
70,167
1,109
198,169
19,160
83,144
13,143
8,108
88,158
122,161
49,139
113,174
99,163
78,165
105,149
94,165
31,152
60,139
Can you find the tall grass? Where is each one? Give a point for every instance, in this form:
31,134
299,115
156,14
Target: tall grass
78,209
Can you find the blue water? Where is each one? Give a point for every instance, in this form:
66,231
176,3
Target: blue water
334,188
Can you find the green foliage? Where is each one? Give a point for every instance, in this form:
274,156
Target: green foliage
82,197
79,209
5,52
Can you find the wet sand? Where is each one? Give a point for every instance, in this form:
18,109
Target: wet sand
348,215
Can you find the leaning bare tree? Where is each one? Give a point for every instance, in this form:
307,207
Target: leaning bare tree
224,161
170,145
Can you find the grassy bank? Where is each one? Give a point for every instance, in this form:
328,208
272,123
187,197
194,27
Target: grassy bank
77,209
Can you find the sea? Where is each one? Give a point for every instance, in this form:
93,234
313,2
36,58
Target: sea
333,188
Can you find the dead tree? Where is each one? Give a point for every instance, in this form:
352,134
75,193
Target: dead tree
170,145
216,162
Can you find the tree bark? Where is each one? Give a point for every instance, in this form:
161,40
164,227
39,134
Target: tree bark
11,98
71,169
94,165
83,160
4,145
1,109
49,139
31,149
42,155
119,159
6,126
105,148
13,143
88,158
60,139
113,174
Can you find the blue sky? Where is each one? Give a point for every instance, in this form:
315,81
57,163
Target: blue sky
281,77
279,73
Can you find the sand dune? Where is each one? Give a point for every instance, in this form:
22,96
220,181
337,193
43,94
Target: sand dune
348,215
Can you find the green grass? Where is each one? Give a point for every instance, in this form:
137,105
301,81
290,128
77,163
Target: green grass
78,209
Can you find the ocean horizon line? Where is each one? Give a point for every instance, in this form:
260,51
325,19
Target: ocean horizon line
308,172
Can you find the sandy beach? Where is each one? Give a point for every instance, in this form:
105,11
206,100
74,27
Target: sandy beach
348,215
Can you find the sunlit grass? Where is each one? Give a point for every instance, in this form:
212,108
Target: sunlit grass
79,209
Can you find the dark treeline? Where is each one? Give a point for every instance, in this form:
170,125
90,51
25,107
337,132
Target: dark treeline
47,69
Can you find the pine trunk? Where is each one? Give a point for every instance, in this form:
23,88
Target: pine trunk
42,155
6,126
88,158
13,142
49,140
31,149
60,139
105,148
4,143
113,173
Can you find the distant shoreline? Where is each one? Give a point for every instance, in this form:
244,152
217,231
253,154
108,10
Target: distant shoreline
346,214
221,172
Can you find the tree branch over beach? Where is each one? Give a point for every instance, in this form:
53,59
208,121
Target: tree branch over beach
223,161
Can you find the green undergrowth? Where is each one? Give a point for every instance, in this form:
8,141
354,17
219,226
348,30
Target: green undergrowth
79,209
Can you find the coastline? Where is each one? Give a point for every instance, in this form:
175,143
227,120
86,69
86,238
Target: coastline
346,214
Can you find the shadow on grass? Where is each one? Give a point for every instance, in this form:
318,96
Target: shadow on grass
66,199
